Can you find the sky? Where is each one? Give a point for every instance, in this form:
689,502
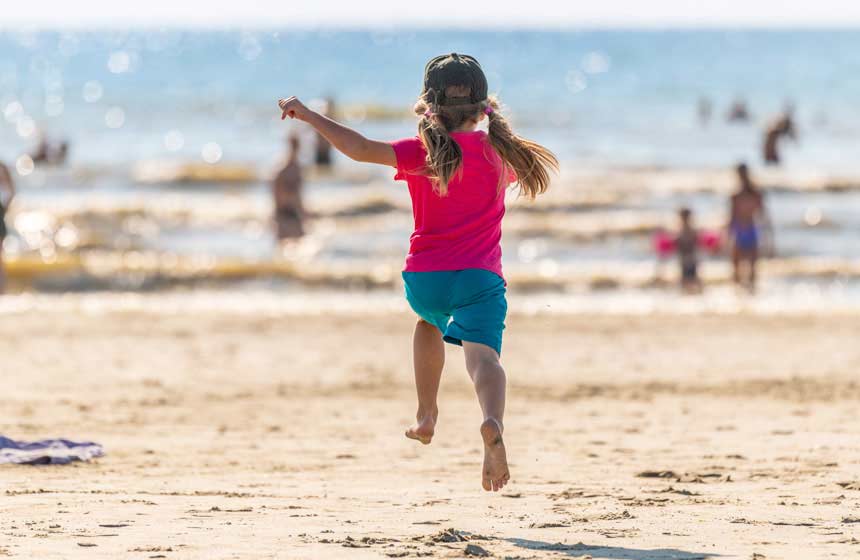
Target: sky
430,13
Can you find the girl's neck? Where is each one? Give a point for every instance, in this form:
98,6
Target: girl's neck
469,126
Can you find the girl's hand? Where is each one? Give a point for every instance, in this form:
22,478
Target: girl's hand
351,143
293,108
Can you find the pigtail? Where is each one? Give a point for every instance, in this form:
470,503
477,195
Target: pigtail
444,156
530,161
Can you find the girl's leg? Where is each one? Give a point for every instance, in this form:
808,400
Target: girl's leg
487,374
429,358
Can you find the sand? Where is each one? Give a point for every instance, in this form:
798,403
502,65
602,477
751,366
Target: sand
281,436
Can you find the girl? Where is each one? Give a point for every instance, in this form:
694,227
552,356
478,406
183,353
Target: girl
457,177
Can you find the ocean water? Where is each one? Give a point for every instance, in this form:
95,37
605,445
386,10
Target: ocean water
140,108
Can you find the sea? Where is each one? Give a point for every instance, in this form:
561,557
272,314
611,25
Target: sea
173,136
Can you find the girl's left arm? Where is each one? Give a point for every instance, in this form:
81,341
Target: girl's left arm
349,142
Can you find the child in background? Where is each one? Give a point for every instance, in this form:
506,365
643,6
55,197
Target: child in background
687,244
457,177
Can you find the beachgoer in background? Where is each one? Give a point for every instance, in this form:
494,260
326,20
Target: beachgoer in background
322,152
748,219
50,153
705,110
42,152
687,244
61,153
7,193
738,112
457,177
783,125
287,194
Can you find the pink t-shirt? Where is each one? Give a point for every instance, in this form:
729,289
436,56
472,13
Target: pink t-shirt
462,229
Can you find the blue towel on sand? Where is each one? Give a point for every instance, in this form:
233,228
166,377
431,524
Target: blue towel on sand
47,451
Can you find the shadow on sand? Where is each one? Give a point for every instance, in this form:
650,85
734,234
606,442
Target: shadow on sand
617,552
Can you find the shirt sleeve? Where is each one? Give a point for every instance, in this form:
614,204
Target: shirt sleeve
411,157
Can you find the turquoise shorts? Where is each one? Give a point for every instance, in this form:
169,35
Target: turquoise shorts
465,304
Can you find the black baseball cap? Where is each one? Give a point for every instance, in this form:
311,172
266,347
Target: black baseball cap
454,69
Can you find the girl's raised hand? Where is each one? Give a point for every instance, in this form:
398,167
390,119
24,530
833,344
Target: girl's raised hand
293,108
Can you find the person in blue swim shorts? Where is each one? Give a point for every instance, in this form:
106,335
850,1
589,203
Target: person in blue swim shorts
748,219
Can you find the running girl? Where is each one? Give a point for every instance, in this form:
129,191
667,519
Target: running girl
457,177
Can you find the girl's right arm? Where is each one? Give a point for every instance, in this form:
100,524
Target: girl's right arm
349,142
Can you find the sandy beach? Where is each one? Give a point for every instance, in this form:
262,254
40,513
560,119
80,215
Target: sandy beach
230,435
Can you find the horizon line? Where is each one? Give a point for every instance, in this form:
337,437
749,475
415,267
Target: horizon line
411,26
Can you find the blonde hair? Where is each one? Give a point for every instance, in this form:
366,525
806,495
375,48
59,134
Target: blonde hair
530,161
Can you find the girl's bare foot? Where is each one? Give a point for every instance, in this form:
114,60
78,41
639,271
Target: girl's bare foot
423,429
495,474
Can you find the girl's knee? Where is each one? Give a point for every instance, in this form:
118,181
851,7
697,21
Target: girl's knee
481,358
488,373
